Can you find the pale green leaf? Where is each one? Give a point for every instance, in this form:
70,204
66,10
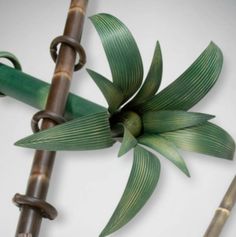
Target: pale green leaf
141,184
122,53
208,139
113,95
128,142
191,86
165,148
167,120
152,81
85,133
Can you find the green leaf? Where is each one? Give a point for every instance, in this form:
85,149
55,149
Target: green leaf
191,86
152,81
113,95
12,58
165,148
85,133
141,184
208,139
167,120
122,53
128,142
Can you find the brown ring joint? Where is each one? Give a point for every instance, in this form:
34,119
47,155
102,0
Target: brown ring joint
16,66
75,45
77,9
57,119
44,208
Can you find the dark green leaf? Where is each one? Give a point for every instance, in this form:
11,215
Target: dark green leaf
141,184
113,95
152,81
191,86
85,133
128,142
122,53
167,120
207,139
165,148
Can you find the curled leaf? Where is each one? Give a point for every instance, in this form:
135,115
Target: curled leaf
141,184
165,148
122,53
208,139
191,86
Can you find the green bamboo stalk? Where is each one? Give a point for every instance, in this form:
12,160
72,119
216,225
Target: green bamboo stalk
223,212
34,92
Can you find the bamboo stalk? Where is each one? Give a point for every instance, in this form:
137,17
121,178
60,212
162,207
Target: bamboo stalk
34,92
223,212
38,183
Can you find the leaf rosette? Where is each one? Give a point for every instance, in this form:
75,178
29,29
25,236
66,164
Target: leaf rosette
139,117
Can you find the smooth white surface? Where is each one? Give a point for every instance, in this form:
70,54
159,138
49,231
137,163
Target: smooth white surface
86,186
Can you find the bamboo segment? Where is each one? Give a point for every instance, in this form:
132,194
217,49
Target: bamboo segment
223,212
34,208
34,92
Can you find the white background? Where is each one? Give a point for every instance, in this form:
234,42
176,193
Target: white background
86,186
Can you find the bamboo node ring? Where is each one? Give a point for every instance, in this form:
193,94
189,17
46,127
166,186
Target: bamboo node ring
43,114
13,60
224,210
69,41
45,209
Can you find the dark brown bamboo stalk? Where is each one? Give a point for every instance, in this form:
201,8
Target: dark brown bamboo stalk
223,212
33,205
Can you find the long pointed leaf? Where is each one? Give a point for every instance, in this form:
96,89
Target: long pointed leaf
113,95
207,139
141,184
152,81
122,53
86,133
167,120
191,86
165,148
128,142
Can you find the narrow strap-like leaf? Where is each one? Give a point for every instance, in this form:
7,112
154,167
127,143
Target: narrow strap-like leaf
128,142
113,95
167,120
122,53
191,86
12,58
165,148
207,139
152,81
141,184
85,133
